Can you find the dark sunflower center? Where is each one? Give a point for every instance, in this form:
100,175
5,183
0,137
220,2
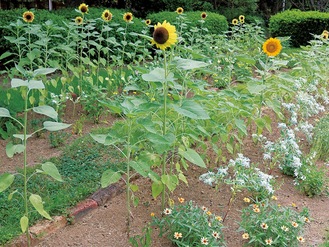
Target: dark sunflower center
106,14
161,35
271,47
28,17
84,9
203,16
128,17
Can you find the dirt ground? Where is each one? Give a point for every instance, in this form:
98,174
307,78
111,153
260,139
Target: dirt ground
106,225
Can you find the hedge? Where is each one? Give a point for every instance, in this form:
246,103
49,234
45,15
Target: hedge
301,26
215,23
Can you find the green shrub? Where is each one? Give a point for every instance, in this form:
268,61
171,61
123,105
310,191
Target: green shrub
214,22
320,143
299,25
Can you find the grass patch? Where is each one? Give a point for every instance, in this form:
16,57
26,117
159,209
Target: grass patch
81,166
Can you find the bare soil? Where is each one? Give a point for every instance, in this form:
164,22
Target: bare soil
106,225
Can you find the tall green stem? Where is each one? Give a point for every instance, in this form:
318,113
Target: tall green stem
25,169
164,127
128,177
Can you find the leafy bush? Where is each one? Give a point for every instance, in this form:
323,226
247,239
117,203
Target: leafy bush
266,223
214,22
320,143
299,25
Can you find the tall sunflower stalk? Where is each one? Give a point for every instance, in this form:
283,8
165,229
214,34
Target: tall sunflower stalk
164,36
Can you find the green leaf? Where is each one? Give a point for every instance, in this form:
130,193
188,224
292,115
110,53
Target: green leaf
182,177
193,157
37,203
6,180
33,84
160,143
110,177
10,196
24,221
171,181
158,74
140,167
21,136
133,187
12,149
50,169
191,109
239,123
188,64
15,82
54,126
255,88
43,71
157,188
100,138
246,59
47,111
4,112
6,54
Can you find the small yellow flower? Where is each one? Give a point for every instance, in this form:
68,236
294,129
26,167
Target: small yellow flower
235,22
78,20
294,224
241,19
203,15
256,210
178,235
284,228
301,239
208,213
274,198
219,218
152,214
204,241
306,220
179,10
268,241
245,236
28,16
148,22
246,199
181,199
272,47
107,15
264,226
128,17
83,8
293,204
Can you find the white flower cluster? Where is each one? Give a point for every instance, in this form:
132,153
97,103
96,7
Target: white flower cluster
265,181
308,104
292,108
307,129
240,161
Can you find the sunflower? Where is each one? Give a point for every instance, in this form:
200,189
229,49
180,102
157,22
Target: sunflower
179,10
78,20
235,22
148,22
107,15
83,8
128,17
164,35
203,15
28,16
272,47
325,34
241,19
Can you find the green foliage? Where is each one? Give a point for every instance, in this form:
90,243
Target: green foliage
266,223
234,8
298,25
215,23
188,224
320,143
57,139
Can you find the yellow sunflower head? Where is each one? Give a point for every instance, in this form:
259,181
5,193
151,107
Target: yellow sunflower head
83,8
272,47
235,22
107,15
241,19
164,35
78,20
325,34
128,17
28,16
179,10
203,15
148,22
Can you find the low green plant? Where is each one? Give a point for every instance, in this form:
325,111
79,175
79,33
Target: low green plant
188,224
320,143
57,139
266,223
